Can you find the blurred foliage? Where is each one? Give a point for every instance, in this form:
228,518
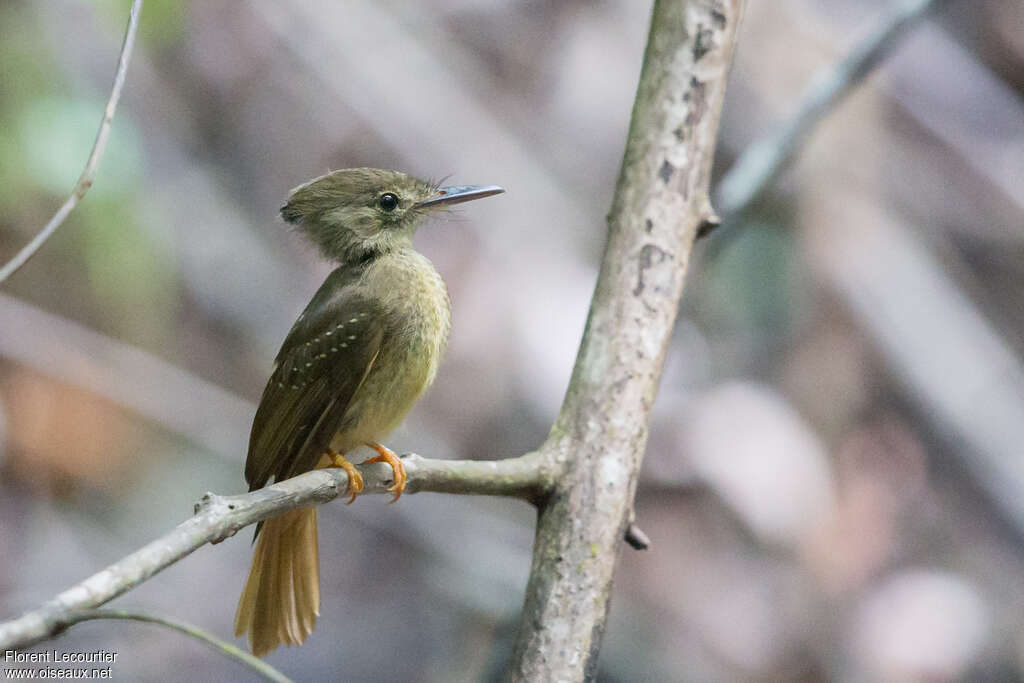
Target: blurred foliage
55,136
123,265
162,24
752,284
26,75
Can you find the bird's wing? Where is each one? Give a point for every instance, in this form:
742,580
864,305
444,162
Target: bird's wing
322,363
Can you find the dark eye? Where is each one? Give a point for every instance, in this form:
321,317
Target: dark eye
388,201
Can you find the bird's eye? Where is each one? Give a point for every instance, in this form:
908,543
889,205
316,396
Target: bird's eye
388,201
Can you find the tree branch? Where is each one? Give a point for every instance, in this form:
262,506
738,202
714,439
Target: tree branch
763,160
597,443
227,649
219,517
98,147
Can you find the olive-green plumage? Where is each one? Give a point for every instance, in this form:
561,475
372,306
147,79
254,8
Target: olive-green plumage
354,363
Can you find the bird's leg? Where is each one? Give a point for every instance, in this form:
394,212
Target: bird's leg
355,480
388,456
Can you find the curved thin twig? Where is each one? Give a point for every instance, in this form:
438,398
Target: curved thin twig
227,649
98,147
219,517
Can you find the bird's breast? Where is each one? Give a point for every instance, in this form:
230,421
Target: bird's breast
414,303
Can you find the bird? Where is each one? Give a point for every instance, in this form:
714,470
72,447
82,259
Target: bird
359,356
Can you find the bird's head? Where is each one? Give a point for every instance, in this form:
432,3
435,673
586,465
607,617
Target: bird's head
357,213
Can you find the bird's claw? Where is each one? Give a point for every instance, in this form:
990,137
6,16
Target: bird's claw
355,479
388,456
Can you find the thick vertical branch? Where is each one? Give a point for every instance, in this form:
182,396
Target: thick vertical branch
597,444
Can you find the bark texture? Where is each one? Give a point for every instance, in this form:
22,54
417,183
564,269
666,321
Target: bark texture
597,444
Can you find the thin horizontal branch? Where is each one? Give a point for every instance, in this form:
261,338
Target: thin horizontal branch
219,517
763,160
524,477
222,647
99,146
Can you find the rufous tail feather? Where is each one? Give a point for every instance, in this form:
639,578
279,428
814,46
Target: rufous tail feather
281,599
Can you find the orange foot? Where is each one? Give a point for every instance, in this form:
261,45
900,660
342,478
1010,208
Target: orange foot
355,480
388,456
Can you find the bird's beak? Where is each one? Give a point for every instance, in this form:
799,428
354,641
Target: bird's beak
456,194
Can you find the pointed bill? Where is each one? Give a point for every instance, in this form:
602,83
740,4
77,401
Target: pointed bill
456,194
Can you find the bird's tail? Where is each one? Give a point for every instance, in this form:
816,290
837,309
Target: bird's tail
281,599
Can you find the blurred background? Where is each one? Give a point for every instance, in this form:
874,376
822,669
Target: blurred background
834,483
